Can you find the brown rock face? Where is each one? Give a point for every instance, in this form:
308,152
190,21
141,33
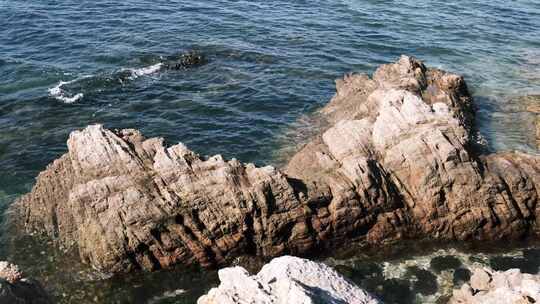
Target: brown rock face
128,202
398,161
404,155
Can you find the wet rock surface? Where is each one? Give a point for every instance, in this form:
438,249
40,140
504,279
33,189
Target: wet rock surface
17,289
399,160
508,287
286,280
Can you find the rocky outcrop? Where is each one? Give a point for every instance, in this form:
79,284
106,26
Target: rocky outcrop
286,280
398,160
129,202
401,161
16,289
508,287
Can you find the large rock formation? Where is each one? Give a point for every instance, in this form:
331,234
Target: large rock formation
16,289
399,160
286,280
508,287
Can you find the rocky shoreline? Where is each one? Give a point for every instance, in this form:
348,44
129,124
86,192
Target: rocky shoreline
399,160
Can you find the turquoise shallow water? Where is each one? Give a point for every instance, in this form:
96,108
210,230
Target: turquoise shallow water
66,64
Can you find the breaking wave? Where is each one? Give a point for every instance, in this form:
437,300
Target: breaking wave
60,94
136,73
72,91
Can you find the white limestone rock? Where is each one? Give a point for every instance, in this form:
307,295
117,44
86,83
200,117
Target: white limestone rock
286,280
499,287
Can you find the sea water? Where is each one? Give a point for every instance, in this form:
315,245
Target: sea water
271,64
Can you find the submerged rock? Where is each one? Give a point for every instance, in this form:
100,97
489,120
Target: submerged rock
186,60
534,107
509,287
531,104
286,280
398,160
15,288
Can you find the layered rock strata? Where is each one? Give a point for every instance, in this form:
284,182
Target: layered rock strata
398,160
17,289
501,287
286,280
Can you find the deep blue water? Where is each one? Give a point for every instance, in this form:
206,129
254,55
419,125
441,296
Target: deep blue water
270,63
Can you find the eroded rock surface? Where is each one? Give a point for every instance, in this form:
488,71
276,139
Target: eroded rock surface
16,289
398,160
286,280
127,202
509,287
401,161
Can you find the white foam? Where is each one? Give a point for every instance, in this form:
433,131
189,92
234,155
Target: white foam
136,73
167,295
58,93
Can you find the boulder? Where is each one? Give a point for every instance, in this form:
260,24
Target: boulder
17,289
401,160
286,280
398,159
502,287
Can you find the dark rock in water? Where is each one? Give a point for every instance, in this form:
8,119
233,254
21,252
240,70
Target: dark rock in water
425,282
396,291
446,262
16,289
527,264
187,60
461,275
399,160
360,272
532,254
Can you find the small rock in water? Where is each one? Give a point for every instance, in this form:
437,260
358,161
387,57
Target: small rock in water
480,280
509,287
17,289
187,60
